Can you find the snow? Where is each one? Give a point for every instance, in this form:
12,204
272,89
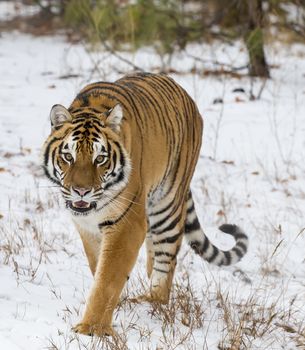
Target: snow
11,9
251,172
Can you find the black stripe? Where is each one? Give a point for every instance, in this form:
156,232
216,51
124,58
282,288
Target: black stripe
238,252
120,176
175,173
161,211
146,95
122,157
95,127
46,154
106,223
86,115
165,99
159,270
94,134
78,120
92,86
95,110
84,99
72,110
242,245
113,222
171,226
116,180
239,235
105,107
228,257
53,162
109,148
160,253
111,97
206,245
114,160
171,239
194,226
214,255
190,209
113,89
46,171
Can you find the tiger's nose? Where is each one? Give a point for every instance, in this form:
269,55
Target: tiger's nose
81,190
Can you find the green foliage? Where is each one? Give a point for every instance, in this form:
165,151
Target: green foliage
170,25
254,42
142,22
94,19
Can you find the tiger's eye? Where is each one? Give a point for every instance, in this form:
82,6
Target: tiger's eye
68,157
100,159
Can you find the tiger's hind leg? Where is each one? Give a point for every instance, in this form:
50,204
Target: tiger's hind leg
149,253
163,244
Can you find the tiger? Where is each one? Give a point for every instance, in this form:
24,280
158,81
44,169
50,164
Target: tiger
123,155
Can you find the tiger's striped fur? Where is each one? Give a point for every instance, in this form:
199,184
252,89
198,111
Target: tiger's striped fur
123,155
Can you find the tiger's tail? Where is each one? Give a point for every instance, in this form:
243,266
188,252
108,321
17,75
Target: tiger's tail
200,243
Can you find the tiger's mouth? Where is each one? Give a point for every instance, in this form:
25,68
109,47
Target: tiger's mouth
81,206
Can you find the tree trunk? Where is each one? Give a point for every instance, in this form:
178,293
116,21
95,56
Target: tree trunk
254,40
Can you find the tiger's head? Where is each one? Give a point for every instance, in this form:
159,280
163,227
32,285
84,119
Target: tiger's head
85,157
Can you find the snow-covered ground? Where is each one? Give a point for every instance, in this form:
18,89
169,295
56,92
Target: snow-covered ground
251,172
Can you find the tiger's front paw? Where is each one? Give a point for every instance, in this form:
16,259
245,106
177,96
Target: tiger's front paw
94,329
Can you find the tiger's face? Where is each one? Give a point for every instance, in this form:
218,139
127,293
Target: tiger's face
84,156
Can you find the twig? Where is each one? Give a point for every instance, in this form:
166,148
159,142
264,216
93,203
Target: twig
261,89
217,63
125,60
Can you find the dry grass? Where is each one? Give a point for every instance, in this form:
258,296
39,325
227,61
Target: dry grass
260,318
252,307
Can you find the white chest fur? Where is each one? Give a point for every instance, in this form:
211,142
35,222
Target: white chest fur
89,231
88,224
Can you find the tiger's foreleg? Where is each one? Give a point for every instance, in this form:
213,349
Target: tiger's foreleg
91,245
119,250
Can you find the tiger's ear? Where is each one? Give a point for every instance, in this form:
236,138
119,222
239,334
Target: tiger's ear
59,115
114,118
